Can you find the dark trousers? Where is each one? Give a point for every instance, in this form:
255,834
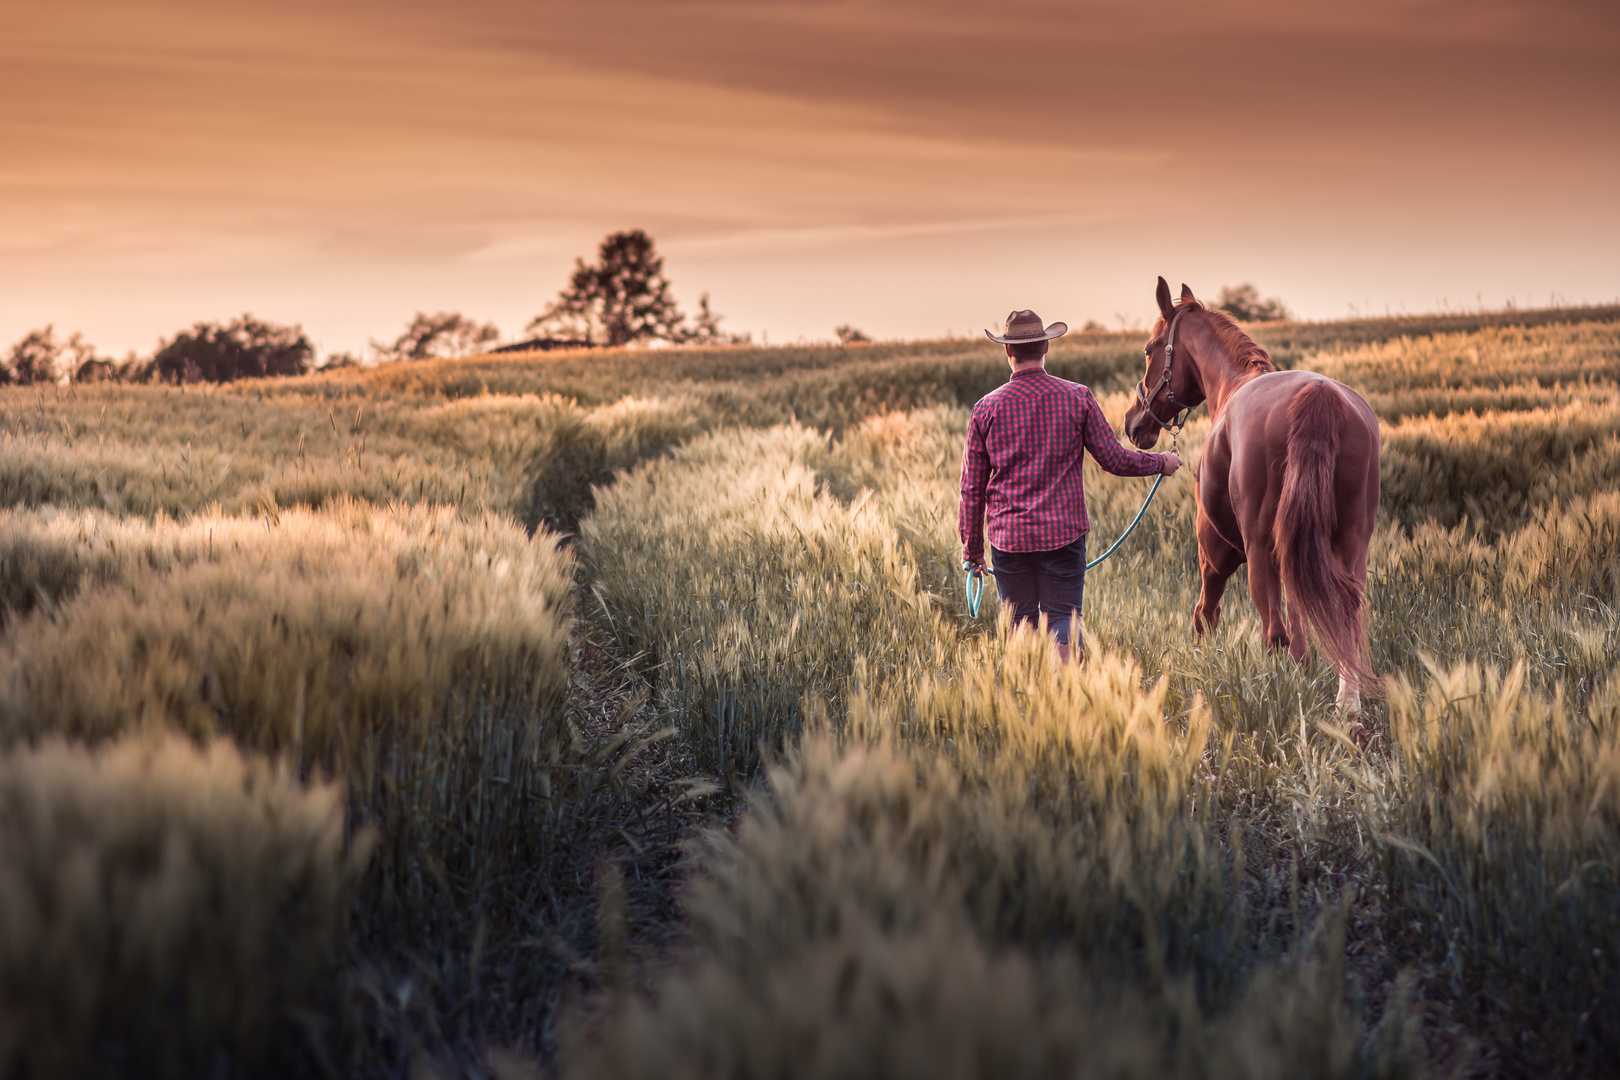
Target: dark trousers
1043,582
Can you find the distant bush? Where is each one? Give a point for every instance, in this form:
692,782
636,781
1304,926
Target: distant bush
848,335
96,370
446,334
32,359
705,328
242,349
338,361
164,909
38,357
1243,302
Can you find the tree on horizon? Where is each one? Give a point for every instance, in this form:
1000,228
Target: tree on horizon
32,359
623,298
39,357
445,334
244,348
1243,303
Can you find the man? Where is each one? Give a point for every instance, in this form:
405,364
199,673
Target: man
1023,464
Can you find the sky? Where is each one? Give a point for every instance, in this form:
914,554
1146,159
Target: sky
914,168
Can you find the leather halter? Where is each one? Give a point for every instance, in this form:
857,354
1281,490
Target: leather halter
1182,410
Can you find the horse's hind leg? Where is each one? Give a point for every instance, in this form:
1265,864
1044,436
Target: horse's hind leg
1217,561
1351,551
1265,588
1348,701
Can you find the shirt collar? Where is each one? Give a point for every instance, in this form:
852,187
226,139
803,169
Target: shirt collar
1027,372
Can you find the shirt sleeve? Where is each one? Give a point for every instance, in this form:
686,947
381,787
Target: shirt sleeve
1106,448
975,475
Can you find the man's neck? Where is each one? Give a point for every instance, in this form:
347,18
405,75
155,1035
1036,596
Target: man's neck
1029,365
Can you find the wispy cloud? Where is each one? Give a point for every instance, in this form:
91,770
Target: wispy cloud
413,151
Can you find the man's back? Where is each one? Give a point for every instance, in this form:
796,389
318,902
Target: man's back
1025,460
1031,428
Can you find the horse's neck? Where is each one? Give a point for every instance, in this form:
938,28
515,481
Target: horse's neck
1219,372
1237,380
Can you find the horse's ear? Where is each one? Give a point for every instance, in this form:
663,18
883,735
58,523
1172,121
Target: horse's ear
1186,294
1166,308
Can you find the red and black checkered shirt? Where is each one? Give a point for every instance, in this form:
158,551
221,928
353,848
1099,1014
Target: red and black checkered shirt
1023,464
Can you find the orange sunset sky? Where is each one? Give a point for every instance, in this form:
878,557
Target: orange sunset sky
912,167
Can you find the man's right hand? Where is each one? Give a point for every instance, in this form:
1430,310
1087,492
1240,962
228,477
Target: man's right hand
1171,463
975,564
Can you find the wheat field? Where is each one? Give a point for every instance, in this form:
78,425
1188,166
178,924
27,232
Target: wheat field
618,714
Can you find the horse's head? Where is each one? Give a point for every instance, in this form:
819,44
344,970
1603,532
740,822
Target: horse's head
1162,394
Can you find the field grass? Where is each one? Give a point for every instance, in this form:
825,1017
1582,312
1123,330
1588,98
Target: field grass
179,901
644,680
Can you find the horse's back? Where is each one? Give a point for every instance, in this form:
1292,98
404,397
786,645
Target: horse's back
1253,442
1262,396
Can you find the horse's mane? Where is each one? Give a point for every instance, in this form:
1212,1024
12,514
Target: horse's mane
1246,352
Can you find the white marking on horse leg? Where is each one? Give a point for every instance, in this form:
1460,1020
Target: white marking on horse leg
1349,700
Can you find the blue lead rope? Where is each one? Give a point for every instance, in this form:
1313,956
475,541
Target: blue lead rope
975,588
1132,526
975,576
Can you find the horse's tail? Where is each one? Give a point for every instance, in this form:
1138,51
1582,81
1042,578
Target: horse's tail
1326,594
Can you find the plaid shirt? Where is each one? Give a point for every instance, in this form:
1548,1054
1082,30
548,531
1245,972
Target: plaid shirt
1023,463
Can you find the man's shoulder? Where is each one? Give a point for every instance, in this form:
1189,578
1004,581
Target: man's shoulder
1023,387
1065,386
1079,393
987,404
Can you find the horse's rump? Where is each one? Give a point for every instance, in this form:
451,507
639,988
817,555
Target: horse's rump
1327,596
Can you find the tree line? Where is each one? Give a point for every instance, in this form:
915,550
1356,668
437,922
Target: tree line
623,298
245,348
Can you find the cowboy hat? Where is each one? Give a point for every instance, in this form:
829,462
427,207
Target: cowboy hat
1025,326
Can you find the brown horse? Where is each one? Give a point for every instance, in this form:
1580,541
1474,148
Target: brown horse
1287,482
